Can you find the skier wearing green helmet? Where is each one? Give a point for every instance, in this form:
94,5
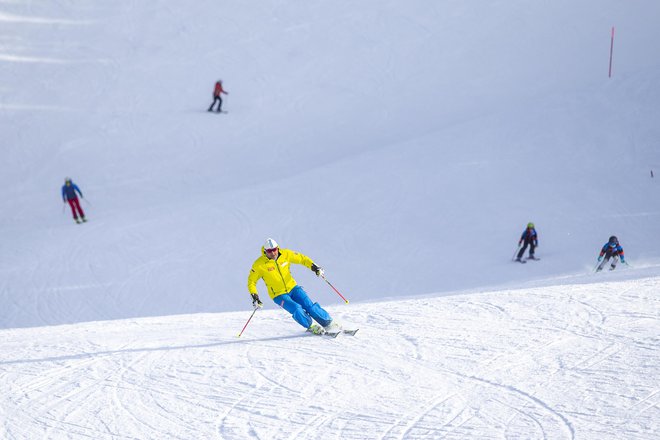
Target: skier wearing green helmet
531,239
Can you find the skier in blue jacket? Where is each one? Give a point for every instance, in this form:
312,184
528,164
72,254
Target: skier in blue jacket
612,249
69,191
531,239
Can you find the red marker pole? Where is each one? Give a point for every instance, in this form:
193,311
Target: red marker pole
611,51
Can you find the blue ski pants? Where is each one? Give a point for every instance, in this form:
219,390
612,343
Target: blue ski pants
302,308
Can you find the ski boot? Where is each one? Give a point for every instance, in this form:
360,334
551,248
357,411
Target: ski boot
316,329
332,328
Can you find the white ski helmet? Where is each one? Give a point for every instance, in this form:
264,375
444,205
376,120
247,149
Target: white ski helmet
270,244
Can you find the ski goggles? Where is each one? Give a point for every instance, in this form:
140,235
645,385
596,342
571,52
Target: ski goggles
271,251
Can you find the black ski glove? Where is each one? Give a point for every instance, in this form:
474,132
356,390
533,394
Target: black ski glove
256,302
317,270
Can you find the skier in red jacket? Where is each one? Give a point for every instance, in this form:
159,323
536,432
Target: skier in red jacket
217,96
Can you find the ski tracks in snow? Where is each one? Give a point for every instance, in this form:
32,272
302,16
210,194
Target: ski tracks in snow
568,362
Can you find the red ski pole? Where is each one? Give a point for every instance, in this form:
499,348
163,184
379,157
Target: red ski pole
248,321
333,288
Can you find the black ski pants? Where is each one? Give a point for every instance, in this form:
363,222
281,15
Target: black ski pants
216,99
609,254
532,246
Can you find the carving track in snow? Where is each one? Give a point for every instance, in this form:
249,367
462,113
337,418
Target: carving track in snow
562,362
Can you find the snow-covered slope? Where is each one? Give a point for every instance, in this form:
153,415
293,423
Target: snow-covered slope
402,145
562,362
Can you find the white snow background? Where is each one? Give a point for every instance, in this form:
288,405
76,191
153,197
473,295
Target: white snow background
401,145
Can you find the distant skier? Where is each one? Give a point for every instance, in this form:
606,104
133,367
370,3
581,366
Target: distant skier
274,267
612,249
531,239
69,195
217,96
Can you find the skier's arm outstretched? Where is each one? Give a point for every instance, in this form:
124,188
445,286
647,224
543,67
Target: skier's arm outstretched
298,258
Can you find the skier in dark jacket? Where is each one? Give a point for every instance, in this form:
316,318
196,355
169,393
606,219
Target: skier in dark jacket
69,195
531,239
217,96
612,249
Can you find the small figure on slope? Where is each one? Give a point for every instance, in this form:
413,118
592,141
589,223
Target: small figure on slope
217,96
612,249
274,267
69,195
531,239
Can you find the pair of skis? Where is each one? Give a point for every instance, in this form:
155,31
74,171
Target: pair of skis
334,334
518,260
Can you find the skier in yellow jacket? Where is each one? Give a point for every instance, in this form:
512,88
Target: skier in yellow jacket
274,267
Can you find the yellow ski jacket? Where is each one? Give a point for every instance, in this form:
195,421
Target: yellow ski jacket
276,273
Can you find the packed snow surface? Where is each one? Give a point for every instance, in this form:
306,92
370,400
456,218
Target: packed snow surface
560,362
403,146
